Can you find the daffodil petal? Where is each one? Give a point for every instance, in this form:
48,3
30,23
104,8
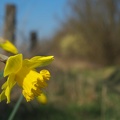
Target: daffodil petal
13,64
38,61
4,85
10,83
8,46
7,86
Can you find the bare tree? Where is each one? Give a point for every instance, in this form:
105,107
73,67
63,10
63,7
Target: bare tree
99,22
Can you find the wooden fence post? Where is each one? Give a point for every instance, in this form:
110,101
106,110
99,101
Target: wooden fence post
10,23
33,41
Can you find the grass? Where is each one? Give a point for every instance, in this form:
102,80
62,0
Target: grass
51,112
71,112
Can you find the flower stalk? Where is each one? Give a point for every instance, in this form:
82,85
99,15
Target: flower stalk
16,108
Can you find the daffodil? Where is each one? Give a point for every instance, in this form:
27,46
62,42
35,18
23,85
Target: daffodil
42,98
22,71
8,46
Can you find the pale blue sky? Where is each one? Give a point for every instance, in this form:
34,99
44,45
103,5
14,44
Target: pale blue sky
38,15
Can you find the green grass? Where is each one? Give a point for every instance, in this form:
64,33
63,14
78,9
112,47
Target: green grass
71,112
51,112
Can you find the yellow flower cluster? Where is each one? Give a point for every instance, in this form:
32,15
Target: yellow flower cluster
22,71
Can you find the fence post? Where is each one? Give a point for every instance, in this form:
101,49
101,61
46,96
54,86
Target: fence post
33,40
10,23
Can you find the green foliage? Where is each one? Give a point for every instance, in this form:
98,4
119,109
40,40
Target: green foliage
73,45
51,112
1,74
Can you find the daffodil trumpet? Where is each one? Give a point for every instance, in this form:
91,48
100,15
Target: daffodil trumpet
22,72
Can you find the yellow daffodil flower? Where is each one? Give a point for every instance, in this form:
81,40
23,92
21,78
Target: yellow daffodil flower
42,98
23,73
8,46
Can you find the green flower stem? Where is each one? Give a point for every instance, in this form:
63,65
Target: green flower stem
16,108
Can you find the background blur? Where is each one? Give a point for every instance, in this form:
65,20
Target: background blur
84,37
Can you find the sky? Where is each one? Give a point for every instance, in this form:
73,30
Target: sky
41,16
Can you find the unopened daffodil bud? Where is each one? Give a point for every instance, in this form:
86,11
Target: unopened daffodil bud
42,98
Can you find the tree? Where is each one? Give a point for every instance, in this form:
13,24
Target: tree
99,22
